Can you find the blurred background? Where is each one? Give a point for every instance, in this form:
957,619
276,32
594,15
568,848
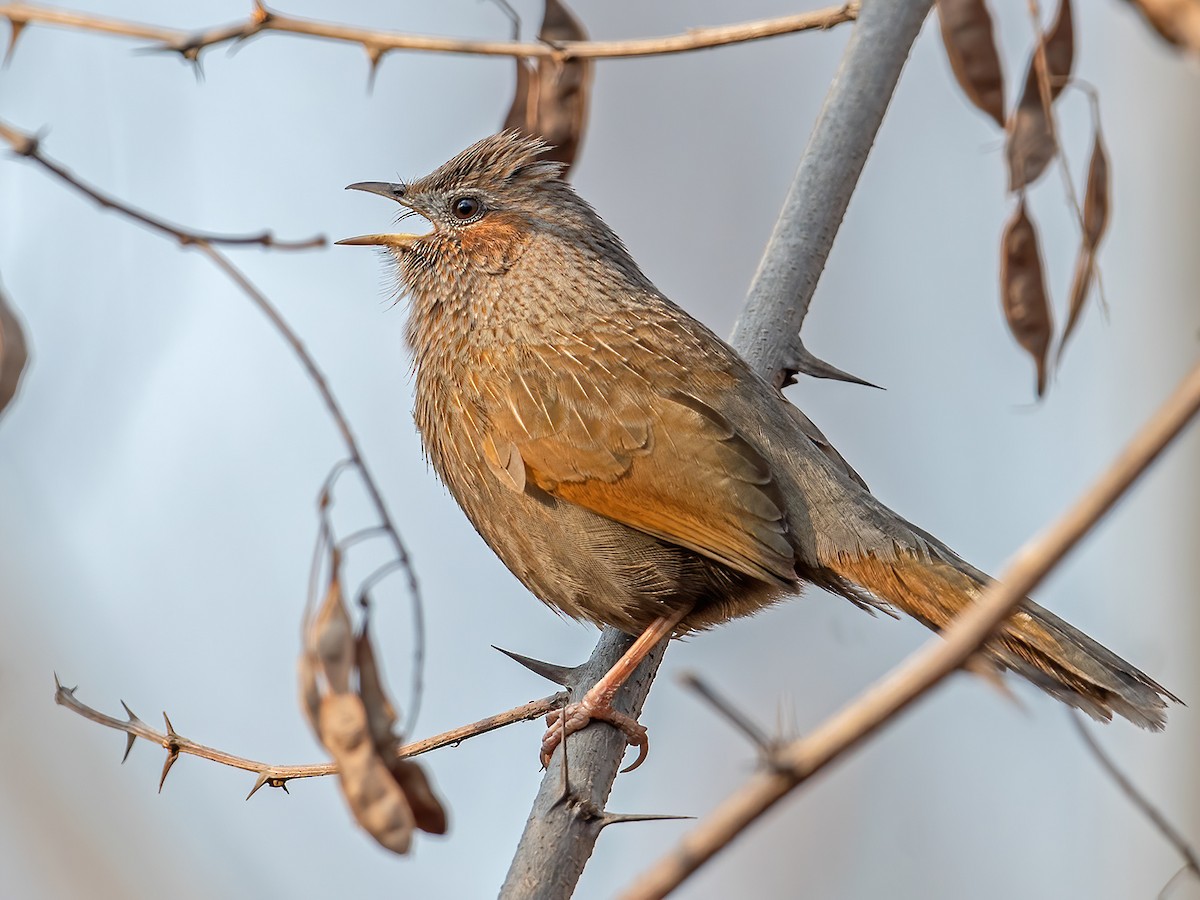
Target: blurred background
159,469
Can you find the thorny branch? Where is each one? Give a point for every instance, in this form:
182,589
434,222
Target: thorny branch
189,45
798,761
277,776
28,146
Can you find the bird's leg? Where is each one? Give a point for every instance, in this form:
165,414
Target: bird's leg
597,702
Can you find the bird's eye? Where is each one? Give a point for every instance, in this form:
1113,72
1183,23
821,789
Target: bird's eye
464,208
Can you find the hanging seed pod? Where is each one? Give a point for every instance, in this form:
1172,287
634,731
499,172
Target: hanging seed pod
1023,290
1095,224
552,97
971,49
1030,146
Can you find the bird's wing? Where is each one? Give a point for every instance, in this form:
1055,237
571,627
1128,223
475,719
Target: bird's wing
595,430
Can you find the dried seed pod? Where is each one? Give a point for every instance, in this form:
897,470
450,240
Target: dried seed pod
1096,193
971,49
551,99
519,114
387,796
13,353
381,715
427,809
1059,46
375,798
1030,145
1095,223
1023,290
428,813
332,637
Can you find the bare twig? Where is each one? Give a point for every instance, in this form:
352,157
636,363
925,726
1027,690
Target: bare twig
562,830
1137,798
276,776
376,43
28,147
883,701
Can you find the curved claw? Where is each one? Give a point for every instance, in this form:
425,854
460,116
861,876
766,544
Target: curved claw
578,715
643,746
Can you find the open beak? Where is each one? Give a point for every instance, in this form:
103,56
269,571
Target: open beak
392,192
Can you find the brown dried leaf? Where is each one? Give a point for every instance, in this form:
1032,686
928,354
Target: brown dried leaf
331,637
13,353
971,48
551,99
1023,290
1177,21
1059,44
381,715
1030,145
524,103
1095,223
428,811
388,797
1096,193
375,798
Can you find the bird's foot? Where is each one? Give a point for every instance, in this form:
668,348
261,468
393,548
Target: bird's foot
575,716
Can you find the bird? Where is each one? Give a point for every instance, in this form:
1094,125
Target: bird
631,469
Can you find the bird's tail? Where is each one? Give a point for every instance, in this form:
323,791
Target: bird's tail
930,583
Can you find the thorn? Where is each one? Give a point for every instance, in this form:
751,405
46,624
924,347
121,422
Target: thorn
171,733
130,737
172,755
564,675
729,712
258,783
805,363
129,712
375,56
620,818
60,691
265,778
16,26
192,55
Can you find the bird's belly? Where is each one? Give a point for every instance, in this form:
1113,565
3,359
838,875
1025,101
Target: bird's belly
594,568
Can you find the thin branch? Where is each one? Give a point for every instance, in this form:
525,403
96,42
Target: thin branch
1138,799
276,776
28,147
882,702
562,830
375,43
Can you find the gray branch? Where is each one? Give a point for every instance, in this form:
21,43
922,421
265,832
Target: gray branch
568,815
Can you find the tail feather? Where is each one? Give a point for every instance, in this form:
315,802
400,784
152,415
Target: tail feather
933,585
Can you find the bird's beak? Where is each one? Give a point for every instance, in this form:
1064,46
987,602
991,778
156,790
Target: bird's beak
392,192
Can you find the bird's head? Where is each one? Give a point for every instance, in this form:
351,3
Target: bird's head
484,205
